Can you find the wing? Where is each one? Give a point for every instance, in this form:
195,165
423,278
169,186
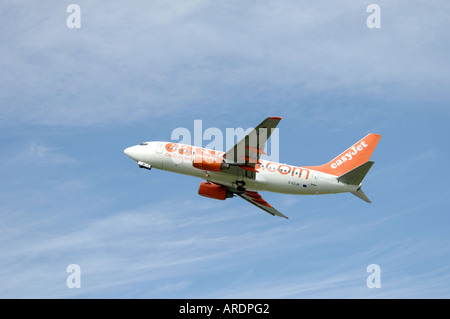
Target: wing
246,152
257,200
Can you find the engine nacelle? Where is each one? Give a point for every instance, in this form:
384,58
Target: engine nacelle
208,162
215,191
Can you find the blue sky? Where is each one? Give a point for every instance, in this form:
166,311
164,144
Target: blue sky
72,100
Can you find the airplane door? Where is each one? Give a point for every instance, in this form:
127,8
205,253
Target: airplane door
314,178
158,157
159,148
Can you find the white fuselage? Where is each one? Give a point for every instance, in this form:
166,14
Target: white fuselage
271,176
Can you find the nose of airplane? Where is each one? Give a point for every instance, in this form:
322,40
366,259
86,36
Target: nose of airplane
129,151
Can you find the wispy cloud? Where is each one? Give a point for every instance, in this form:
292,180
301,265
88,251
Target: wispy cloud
143,235
346,277
166,57
168,246
41,154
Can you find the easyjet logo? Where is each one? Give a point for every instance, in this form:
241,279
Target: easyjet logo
355,149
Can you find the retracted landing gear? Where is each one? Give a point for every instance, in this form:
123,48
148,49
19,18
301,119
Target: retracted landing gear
240,185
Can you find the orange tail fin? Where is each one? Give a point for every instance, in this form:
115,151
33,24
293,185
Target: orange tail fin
354,156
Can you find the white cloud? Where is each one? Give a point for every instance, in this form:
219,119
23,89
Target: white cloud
151,59
146,60
37,153
171,246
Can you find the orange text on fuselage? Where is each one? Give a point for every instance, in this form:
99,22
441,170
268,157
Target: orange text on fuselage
271,167
283,169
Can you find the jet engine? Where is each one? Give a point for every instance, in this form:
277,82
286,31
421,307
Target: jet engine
215,191
208,162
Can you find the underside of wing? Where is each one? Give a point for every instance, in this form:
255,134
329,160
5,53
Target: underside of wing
257,200
242,159
247,152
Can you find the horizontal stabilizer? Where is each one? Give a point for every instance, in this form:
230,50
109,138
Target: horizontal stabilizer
356,175
359,193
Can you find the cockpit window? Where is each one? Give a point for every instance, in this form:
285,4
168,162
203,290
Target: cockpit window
143,144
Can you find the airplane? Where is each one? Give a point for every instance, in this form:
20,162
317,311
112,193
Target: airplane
242,172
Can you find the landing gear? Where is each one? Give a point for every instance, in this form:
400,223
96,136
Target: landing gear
240,185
